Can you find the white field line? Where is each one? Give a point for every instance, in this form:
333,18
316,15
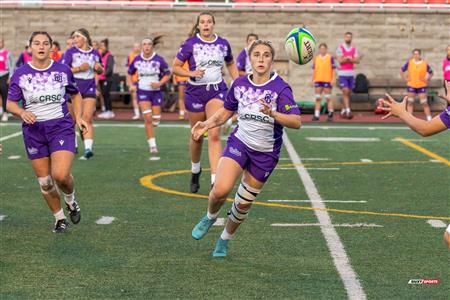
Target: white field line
415,140
337,251
7,137
366,160
324,201
341,139
356,225
437,223
436,161
12,124
14,157
105,220
219,222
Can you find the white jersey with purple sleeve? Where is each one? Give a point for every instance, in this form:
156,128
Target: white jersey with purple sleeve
43,90
257,130
445,117
75,57
243,62
206,55
149,70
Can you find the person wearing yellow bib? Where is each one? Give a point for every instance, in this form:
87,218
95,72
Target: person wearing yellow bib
417,73
324,68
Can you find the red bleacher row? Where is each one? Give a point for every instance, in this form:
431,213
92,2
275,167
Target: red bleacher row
299,1
312,1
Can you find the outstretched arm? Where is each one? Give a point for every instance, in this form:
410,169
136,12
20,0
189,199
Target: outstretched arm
422,127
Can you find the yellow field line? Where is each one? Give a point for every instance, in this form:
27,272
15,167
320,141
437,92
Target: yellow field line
423,150
147,181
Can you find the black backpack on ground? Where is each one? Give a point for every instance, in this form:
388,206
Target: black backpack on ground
361,84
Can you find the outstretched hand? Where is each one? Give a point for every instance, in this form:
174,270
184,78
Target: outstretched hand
393,107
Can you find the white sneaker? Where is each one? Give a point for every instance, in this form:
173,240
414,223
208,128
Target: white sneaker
136,117
111,115
103,115
5,117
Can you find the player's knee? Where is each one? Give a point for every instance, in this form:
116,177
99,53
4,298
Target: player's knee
411,99
214,136
424,102
60,178
46,184
218,193
243,200
156,120
318,97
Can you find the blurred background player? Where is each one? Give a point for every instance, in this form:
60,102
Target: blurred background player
424,128
48,128
206,89
56,53
6,71
153,72
417,73
85,62
206,53
134,78
324,69
24,57
105,79
347,56
265,104
244,67
243,61
446,70
180,82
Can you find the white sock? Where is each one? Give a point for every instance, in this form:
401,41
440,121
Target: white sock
136,111
212,216
195,167
182,113
76,141
213,178
316,113
347,110
151,142
429,118
69,198
342,111
225,235
59,215
88,144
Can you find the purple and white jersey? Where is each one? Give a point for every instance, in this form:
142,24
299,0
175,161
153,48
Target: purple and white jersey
445,117
243,62
43,90
149,70
75,57
208,56
257,130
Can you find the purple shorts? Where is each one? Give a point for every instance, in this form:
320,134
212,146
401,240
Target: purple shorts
155,97
86,87
197,96
259,164
43,138
182,82
319,84
347,82
416,90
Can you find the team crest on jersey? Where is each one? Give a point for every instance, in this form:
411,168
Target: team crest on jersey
32,150
249,95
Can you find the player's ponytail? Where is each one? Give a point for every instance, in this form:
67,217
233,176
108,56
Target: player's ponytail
157,40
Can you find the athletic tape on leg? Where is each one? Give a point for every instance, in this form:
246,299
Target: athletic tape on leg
244,196
156,120
147,111
47,183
